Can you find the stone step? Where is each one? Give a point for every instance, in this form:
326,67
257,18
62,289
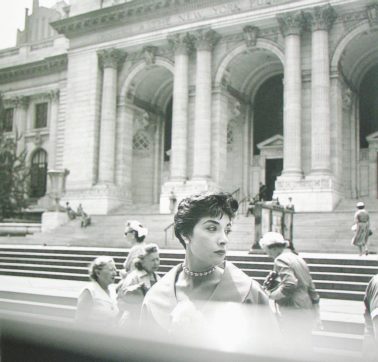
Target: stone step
337,277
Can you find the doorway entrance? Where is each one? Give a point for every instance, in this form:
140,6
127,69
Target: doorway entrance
273,169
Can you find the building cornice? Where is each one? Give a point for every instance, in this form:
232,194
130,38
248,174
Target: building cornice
125,13
39,68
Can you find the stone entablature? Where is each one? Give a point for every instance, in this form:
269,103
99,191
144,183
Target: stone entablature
40,68
174,12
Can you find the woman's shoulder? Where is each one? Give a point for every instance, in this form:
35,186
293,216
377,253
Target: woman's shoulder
164,285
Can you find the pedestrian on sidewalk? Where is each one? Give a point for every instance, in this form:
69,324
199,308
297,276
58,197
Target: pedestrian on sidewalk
291,288
97,304
132,290
361,229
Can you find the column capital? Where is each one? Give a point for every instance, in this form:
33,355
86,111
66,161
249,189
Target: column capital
372,14
321,17
111,58
22,102
251,33
205,39
181,43
291,23
53,95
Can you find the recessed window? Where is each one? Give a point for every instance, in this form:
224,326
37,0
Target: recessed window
41,115
8,120
38,173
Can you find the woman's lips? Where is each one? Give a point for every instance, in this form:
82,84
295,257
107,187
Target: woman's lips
220,252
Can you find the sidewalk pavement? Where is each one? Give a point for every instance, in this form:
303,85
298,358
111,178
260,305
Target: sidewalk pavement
330,309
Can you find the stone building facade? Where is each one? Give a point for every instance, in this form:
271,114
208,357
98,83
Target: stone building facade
139,98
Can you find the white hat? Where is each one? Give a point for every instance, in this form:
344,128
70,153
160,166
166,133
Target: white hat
360,204
272,238
136,226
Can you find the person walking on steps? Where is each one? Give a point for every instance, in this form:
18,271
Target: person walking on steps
361,229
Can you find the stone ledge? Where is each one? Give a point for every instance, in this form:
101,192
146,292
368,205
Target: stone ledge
39,68
19,228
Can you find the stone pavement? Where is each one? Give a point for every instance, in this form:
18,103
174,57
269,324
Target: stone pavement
330,309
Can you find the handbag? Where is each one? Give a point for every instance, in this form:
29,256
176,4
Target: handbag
370,233
271,282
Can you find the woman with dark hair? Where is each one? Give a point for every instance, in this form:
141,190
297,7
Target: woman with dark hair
97,302
361,228
202,224
135,234
132,290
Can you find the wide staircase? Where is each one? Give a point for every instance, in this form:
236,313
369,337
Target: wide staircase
340,279
313,232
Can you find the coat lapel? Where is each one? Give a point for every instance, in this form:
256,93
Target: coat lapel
233,287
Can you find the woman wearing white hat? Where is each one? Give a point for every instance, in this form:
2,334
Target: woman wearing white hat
362,228
135,233
294,291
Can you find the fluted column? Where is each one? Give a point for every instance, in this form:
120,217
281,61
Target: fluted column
54,109
22,104
291,26
181,44
109,59
204,43
321,20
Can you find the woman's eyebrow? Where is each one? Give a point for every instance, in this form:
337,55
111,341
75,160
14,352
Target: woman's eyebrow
211,222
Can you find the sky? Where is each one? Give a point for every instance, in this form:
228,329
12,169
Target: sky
12,13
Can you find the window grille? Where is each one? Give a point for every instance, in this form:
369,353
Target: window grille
141,142
41,115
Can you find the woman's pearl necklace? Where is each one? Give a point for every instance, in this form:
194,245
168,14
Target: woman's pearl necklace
193,274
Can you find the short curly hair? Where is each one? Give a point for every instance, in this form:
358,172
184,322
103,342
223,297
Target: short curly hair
97,265
147,250
193,208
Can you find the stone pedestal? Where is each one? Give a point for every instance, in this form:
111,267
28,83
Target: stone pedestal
98,200
182,190
53,219
312,193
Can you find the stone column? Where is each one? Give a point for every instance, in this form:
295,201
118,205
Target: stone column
321,20
22,104
291,26
181,43
204,43
54,109
109,59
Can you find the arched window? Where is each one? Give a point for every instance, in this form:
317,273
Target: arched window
38,173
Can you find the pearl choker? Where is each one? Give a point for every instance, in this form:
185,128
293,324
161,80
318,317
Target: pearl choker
197,274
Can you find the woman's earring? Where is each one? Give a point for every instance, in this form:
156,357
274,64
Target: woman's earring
186,239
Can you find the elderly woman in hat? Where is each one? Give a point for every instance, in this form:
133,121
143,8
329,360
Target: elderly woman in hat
362,228
97,302
291,286
135,234
185,294
132,290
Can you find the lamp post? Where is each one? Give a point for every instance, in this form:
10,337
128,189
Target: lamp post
57,186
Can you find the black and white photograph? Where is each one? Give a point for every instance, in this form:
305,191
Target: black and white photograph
188,180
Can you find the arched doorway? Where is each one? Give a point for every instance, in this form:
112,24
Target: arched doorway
255,111
368,105
151,88
356,61
268,122
38,174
